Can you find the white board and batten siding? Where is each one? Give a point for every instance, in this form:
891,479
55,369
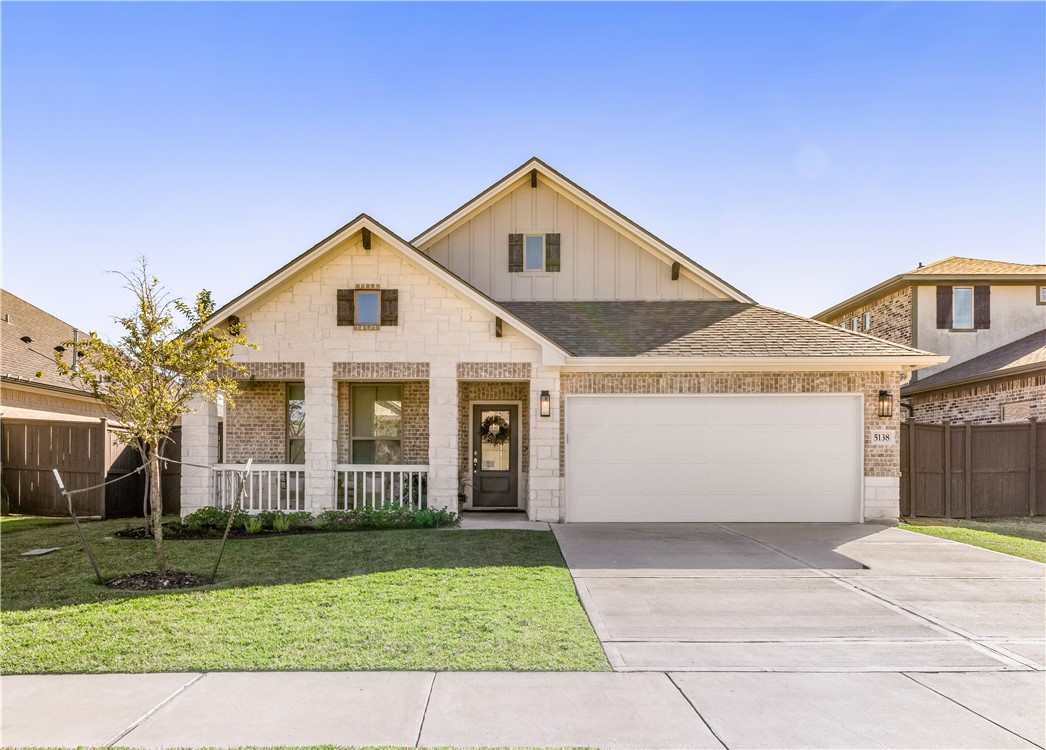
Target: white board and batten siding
598,262
714,458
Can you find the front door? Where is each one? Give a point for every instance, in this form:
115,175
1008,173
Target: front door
495,470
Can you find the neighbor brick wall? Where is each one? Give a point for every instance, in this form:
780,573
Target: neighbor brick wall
414,430
891,317
30,403
498,391
256,427
980,403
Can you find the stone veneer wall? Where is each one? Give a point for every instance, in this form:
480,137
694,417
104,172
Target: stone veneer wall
256,427
891,317
414,429
980,403
491,391
881,462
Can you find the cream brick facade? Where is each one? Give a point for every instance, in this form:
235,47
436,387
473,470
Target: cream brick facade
446,352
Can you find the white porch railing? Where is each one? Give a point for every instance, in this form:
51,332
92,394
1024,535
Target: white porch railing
375,485
269,487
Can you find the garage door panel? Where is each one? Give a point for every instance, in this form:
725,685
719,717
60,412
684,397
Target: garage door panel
713,458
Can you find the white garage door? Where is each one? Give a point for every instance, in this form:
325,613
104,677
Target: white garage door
714,458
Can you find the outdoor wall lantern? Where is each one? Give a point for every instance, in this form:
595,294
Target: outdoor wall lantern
885,404
546,404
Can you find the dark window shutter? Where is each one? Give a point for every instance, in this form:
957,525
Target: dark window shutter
390,307
346,307
944,307
982,307
552,252
515,253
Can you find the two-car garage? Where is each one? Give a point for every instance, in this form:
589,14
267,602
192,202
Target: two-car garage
712,457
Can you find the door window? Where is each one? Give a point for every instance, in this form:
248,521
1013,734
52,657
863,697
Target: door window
495,457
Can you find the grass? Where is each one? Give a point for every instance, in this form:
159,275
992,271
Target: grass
1021,536
381,600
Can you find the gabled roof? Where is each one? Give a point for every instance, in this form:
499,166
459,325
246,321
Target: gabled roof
411,253
1018,357
614,217
681,328
953,269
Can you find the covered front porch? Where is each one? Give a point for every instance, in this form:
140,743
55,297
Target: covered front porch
369,439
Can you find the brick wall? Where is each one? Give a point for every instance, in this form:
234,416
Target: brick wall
980,403
34,403
879,460
891,317
497,391
414,429
256,427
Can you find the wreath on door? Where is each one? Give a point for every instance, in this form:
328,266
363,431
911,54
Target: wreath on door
494,430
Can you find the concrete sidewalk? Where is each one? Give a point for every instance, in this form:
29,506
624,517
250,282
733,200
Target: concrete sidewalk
458,709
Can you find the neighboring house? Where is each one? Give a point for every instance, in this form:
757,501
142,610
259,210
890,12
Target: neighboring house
46,422
631,383
988,317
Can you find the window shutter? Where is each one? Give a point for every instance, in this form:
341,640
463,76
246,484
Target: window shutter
390,307
982,308
515,253
346,307
944,307
552,252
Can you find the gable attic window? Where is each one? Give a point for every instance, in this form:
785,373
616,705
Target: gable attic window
533,253
962,307
867,321
368,307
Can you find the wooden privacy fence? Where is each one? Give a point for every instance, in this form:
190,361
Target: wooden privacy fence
970,470
86,454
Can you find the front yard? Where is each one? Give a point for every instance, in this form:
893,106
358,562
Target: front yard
1021,536
380,600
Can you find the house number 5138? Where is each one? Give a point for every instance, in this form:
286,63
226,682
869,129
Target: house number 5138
884,437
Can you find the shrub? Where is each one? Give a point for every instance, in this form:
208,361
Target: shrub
252,524
281,523
385,517
211,518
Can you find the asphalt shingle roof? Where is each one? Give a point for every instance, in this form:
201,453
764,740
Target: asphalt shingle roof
1018,355
957,265
693,329
22,361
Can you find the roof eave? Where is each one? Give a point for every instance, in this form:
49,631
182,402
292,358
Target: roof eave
918,387
897,363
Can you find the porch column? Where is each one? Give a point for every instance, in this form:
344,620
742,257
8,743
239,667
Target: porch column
443,436
545,488
321,424
199,446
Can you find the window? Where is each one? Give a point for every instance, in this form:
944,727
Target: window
377,418
295,423
843,325
368,308
867,321
534,253
855,324
1040,295
962,307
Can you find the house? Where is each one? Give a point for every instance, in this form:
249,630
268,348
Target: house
536,349
46,422
988,316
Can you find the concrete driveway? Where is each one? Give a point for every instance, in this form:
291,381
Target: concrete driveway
803,597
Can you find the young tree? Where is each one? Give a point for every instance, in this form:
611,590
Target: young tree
149,377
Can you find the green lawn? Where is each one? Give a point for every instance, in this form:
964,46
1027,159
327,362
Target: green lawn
1021,537
424,599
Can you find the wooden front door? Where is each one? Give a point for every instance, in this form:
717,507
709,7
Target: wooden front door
495,466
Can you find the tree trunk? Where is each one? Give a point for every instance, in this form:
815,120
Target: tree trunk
157,514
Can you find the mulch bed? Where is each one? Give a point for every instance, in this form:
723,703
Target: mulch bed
155,582
177,531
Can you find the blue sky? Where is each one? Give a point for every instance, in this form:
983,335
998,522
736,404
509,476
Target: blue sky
803,152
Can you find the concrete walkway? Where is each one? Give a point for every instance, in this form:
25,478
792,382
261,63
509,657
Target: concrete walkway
605,710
